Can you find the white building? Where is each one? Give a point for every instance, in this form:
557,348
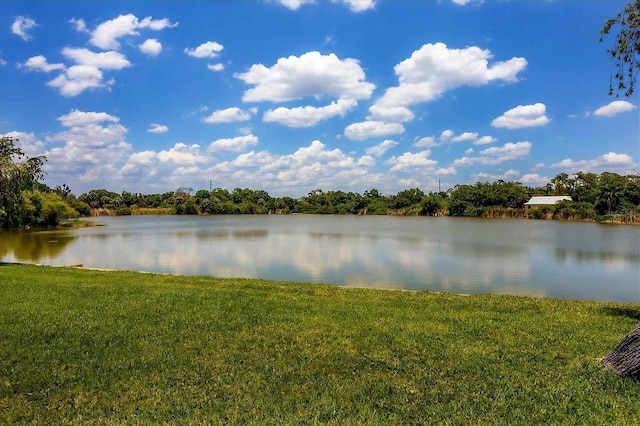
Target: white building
545,201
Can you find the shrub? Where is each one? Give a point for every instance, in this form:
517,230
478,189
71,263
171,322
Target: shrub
46,209
473,211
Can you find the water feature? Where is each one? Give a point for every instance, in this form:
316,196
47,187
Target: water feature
522,257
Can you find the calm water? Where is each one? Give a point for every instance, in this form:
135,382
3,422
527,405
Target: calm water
534,258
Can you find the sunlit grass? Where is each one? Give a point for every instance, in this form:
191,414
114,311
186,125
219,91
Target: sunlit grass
82,346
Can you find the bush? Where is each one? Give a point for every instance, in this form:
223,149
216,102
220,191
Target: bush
473,211
83,209
123,211
46,209
568,210
188,207
431,205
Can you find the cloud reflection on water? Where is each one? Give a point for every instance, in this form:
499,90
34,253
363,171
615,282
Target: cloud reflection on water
532,258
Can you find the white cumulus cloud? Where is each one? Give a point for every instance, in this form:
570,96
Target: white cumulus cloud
87,73
103,60
412,160
534,179
447,137
237,144
157,128
450,136
610,161
309,116
435,68
398,114
228,115
294,4
497,155
77,79
209,49
77,118
314,165
168,167
509,151
311,74
614,108
354,5
484,140
21,25
465,137
216,67
523,116
106,35
79,25
360,5
182,154
92,144
426,142
39,63
369,129
380,149
151,47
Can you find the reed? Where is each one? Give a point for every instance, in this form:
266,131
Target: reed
153,211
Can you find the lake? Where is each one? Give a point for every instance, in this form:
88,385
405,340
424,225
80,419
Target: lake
521,257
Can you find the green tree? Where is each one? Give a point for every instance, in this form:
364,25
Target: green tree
632,190
48,209
610,193
626,52
562,184
285,205
17,172
374,202
201,195
432,204
407,198
460,199
586,187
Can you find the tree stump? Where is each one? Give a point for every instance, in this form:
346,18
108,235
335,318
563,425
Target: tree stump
624,359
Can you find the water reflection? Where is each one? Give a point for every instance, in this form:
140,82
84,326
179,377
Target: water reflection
586,256
31,246
532,258
250,234
207,235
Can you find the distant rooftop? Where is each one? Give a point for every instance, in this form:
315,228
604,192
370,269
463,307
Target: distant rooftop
546,201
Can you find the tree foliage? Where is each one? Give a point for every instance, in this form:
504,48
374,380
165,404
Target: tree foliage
46,209
17,173
626,51
593,197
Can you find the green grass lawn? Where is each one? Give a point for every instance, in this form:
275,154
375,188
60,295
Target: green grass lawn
82,346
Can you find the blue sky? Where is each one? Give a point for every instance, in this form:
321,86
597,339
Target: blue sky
293,95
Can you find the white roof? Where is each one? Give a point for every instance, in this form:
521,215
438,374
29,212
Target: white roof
546,200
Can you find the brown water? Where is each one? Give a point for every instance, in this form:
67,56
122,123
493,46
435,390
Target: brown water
520,257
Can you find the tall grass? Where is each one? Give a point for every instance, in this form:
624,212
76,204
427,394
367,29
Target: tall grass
153,211
83,346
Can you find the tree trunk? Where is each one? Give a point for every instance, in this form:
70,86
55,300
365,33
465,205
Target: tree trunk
624,359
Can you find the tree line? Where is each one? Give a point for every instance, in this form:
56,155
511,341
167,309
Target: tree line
26,202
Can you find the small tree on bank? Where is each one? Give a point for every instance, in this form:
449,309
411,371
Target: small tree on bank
16,175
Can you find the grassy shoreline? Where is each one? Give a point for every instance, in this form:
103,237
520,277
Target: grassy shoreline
108,347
